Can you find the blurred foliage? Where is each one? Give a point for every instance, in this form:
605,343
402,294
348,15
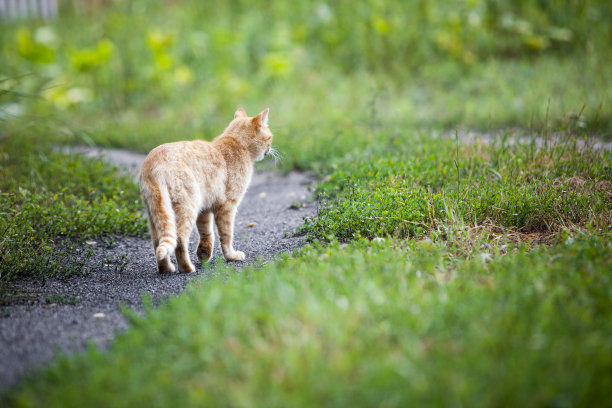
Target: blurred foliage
35,51
136,73
87,59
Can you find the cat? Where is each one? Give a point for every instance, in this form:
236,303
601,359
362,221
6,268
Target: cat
197,182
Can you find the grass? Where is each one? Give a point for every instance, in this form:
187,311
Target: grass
391,323
439,273
51,202
419,185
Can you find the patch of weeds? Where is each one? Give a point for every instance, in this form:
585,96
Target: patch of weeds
297,205
62,299
9,295
115,264
51,202
27,252
412,193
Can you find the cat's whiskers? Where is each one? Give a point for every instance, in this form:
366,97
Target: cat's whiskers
277,155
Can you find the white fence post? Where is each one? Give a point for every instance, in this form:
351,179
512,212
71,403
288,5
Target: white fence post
17,9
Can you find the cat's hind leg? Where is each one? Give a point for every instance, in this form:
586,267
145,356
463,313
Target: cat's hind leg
204,223
164,265
185,222
161,218
224,218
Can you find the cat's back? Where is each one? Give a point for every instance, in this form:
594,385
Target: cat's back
171,162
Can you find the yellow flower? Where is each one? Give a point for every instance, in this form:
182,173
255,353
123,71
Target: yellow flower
183,75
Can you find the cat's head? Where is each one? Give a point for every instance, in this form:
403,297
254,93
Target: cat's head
254,132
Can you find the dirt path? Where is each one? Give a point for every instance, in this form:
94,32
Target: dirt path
518,136
63,316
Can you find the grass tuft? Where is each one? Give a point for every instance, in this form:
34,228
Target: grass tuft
423,185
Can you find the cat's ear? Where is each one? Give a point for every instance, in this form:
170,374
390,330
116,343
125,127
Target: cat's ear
240,113
261,119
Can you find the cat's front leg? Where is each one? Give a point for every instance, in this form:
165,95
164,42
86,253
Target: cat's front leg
224,218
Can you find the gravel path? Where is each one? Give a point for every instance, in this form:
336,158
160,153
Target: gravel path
519,136
43,323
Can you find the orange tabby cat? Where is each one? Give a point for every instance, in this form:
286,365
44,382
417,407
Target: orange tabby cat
189,183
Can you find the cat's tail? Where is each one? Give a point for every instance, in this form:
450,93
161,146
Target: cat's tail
162,216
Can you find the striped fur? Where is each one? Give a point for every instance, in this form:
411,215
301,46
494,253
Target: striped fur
196,183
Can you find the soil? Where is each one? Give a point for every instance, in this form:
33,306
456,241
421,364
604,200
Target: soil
65,316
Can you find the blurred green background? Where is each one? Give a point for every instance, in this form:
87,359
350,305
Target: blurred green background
137,73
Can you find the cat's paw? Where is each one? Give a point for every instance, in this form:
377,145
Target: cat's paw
188,268
165,267
204,252
235,256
